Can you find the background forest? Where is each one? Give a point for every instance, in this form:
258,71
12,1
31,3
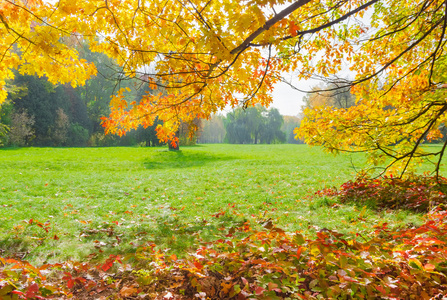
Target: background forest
38,113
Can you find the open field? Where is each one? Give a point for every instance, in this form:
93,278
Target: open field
61,203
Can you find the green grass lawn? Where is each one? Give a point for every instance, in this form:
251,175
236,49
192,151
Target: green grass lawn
96,201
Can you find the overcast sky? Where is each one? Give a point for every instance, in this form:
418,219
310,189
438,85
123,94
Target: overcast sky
287,100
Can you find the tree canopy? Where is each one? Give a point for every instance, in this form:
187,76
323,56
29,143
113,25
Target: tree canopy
210,54
254,125
400,89
331,95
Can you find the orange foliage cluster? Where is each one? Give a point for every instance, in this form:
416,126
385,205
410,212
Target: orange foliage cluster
246,263
419,194
399,88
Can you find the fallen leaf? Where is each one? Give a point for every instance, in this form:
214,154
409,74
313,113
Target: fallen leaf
128,291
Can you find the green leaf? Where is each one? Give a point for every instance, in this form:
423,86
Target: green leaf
6,290
343,261
415,263
313,283
235,290
299,239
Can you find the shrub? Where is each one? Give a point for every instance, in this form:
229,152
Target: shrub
60,128
21,128
3,134
418,193
78,135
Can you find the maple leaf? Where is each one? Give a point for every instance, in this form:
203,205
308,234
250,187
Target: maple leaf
128,291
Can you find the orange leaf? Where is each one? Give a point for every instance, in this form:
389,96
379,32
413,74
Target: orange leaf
198,265
293,29
226,286
429,267
128,291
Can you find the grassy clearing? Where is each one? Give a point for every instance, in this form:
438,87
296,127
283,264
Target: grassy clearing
96,201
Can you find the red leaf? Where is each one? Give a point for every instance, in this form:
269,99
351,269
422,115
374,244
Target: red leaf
32,290
107,265
381,289
69,279
293,28
18,293
429,267
241,296
198,265
259,290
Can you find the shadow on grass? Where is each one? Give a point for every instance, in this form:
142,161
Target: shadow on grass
12,148
179,159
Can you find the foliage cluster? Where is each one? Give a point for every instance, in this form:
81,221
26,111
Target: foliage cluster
258,264
419,193
21,128
400,89
3,133
208,55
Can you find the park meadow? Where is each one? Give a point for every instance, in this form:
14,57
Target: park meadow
135,213
114,199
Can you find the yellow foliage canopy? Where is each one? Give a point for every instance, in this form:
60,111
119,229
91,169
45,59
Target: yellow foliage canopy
204,54
400,89
31,44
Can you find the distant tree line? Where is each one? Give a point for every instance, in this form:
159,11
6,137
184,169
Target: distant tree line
39,113
256,124
253,125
